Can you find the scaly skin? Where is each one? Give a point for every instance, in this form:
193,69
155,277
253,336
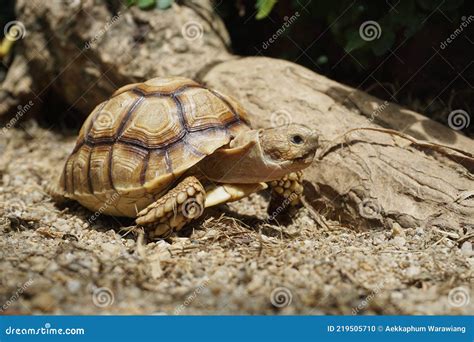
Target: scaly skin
172,211
275,155
286,195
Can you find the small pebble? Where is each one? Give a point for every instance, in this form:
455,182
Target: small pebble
419,231
396,295
73,285
399,241
412,271
466,249
397,230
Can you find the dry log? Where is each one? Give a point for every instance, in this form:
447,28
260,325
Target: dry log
82,51
362,176
17,88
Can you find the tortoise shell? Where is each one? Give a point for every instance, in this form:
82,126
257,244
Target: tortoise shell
136,144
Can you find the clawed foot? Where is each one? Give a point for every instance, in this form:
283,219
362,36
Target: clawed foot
172,211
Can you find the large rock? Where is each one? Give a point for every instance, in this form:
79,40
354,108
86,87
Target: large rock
363,176
82,51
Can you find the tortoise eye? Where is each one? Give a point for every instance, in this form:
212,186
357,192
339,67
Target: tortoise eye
297,139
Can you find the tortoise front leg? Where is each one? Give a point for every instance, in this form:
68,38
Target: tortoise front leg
176,208
286,195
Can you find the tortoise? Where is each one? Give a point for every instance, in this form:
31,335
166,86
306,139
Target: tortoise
163,150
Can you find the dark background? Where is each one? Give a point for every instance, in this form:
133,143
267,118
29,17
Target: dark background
405,65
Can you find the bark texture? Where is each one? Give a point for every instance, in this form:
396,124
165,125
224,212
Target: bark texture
362,176
16,87
82,51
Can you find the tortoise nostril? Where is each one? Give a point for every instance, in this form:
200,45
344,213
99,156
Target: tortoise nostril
297,139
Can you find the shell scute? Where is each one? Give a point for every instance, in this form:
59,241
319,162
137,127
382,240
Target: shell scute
108,120
159,85
154,124
137,143
202,110
127,164
99,171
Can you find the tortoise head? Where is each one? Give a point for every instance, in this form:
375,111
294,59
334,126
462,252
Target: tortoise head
291,147
262,155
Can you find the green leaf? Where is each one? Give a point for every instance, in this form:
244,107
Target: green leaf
322,60
164,4
146,4
354,41
264,7
131,2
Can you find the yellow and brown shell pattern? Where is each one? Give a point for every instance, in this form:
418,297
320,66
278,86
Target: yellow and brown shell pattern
136,144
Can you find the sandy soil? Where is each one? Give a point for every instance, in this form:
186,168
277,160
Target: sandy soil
231,262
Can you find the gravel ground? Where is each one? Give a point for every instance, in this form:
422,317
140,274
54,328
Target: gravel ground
231,262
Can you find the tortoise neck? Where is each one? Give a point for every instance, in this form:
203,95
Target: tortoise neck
243,162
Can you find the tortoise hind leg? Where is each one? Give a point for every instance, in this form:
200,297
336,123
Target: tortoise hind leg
176,208
286,196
